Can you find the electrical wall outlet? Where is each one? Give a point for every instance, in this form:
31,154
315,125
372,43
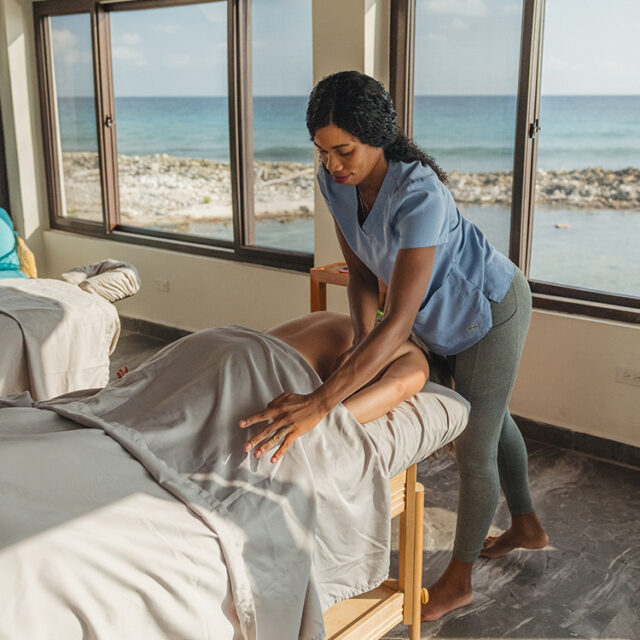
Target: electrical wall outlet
162,285
628,375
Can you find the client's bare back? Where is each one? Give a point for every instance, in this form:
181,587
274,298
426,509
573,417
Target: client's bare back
318,337
322,337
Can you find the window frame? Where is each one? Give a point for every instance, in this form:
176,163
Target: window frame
239,36
546,295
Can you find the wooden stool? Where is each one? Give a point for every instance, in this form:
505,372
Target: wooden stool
370,615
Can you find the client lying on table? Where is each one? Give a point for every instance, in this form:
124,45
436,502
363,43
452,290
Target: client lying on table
320,338
290,538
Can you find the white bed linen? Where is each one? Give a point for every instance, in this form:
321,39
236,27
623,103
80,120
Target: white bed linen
93,547
295,537
55,337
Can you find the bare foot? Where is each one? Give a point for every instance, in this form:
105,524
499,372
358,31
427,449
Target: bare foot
122,371
442,601
451,591
525,532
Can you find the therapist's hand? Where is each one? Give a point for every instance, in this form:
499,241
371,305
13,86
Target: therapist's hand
292,415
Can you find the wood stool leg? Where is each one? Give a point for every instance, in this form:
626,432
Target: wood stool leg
407,540
417,592
318,295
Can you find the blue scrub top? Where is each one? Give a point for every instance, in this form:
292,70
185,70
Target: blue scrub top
414,209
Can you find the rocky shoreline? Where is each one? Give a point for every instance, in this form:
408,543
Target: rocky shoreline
592,188
163,190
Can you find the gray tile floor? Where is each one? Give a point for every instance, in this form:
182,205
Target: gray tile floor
585,584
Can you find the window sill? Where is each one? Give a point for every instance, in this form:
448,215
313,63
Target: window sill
584,308
291,261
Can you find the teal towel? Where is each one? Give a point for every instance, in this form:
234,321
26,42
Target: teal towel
9,262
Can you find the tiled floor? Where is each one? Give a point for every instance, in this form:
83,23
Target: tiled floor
585,584
133,349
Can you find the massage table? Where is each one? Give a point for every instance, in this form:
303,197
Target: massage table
370,616
133,511
57,335
117,518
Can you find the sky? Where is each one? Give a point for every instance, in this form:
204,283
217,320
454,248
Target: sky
463,47
472,47
182,51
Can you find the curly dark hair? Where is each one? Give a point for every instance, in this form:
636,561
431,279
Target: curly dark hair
361,106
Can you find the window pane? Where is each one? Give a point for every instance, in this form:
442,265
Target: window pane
170,85
587,211
283,153
77,135
466,81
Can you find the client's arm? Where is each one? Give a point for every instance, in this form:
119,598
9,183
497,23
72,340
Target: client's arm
403,378
320,338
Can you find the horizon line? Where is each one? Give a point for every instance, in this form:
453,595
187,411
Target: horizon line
420,95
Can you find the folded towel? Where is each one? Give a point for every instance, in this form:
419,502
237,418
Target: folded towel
111,279
9,261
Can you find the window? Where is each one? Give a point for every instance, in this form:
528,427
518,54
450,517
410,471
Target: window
76,139
282,151
550,172
586,229
159,129
171,98
464,107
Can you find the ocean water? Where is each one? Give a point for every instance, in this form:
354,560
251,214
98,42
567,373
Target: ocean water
465,133
476,133
599,250
593,249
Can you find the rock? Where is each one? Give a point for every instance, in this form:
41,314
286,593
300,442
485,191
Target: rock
176,188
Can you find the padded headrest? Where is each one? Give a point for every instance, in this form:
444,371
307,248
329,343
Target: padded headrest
111,279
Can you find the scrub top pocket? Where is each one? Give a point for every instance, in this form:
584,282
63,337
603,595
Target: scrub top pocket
448,327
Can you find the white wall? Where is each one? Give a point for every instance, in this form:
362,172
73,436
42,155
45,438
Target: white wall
21,123
203,292
346,35
567,376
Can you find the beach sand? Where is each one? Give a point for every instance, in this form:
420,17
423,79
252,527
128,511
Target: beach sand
171,192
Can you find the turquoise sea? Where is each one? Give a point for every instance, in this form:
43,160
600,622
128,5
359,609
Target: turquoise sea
599,249
465,133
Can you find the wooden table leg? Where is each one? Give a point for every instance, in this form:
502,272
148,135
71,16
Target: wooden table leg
318,295
417,591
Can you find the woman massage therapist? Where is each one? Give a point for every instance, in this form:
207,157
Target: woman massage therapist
396,221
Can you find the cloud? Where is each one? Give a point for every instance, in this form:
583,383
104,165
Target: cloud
127,49
615,68
63,39
130,39
513,7
178,61
459,25
129,54
213,12
435,37
66,47
168,29
463,8
552,63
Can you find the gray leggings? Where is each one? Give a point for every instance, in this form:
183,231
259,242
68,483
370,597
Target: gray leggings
491,451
